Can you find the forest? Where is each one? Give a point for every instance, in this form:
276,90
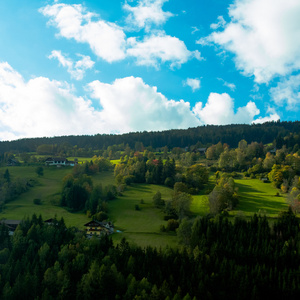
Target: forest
221,260
283,133
227,250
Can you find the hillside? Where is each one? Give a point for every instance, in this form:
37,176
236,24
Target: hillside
202,136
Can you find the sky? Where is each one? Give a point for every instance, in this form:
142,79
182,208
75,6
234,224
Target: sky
98,66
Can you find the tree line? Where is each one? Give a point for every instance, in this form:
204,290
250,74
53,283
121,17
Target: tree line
220,259
279,133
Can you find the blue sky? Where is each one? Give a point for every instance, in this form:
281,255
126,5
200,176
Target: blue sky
91,67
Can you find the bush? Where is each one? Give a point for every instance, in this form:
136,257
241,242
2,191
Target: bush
172,225
37,201
101,216
137,207
162,228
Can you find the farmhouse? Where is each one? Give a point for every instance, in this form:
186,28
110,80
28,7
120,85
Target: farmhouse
11,225
12,162
201,150
98,228
59,161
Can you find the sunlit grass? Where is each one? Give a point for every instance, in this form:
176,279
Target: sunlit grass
256,196
47,188
141,226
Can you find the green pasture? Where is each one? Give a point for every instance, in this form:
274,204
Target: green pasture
105,178
81,160
199,205
256,196
47,188
140,226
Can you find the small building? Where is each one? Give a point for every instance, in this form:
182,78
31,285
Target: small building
12,162
51,221
11,225
98,228
59,162
201,150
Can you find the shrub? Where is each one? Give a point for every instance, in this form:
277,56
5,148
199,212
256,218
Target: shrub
37,201
172,225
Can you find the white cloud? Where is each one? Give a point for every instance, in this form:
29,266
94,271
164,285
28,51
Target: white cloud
160,48
76,69
221,23
231,86
194,83
219,110
264,36
273,116
147,13
195,29
131,105
41,107
107,40
287,92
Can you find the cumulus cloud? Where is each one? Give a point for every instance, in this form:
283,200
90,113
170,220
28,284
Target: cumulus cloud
219,110
41,107
106,39
273,116
76,69
160,48
131,105
194,83
147,13
263,35
287,92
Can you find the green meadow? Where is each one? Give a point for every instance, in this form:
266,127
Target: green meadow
47,188
140,226
256,196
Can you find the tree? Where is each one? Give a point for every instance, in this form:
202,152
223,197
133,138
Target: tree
196,176
6,176
184,232
157,201
223,196
181,203
39,171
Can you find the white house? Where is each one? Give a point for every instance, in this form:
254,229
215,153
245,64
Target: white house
59,161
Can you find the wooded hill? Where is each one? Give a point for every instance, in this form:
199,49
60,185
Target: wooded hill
279,133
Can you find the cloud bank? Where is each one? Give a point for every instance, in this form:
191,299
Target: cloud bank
108,40
43,107
263,35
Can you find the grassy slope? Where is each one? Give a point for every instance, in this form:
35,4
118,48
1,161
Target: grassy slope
256,195
138,226
47,190
141,226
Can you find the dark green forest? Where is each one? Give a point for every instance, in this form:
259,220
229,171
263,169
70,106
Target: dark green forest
221,260
219,256
281,133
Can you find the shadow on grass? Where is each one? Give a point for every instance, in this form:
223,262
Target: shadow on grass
252,200
243,188
141,187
